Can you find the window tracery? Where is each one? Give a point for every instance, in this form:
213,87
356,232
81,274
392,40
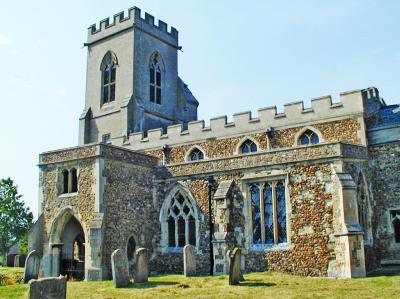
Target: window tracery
109,72
248,146
308,137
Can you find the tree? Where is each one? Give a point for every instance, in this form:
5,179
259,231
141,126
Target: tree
15,218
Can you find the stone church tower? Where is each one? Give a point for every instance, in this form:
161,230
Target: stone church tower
124,57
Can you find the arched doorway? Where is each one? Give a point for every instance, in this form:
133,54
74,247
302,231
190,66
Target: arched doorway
73,250
67,246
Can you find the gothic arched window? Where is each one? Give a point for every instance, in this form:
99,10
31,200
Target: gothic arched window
108,70
308,137
248,146
155,79
395,218
196,154
181,223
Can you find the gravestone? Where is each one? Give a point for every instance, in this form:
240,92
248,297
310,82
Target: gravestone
32,264
48,288
119,265
234,266
189,260
142,266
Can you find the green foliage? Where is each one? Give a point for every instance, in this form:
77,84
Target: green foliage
15,218
23,244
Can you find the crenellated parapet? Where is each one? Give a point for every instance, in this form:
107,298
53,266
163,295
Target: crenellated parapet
132,19
268,119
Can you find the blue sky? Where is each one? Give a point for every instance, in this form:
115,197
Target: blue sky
237,56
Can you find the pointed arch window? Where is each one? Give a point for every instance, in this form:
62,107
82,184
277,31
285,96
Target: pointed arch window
155,80
181,223
196,154
395,219
308,137
248,146
109,74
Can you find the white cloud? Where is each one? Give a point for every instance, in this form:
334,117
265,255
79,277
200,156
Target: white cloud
5,40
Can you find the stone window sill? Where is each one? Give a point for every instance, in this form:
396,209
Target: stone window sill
68,195
270,247
174,250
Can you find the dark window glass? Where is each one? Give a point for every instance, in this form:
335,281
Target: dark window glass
269,215
192,231
152,94
131,247
181,232
65,181
105,77
158,95
112,92
171,232
281,208
158,82
256,213
396,228
113,72
74,180
105,94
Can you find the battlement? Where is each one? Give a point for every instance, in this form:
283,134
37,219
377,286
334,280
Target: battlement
132,19
295,114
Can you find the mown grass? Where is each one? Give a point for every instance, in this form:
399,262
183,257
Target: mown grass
256,285
11,276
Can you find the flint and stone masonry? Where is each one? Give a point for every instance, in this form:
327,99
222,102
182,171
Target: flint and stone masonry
310,191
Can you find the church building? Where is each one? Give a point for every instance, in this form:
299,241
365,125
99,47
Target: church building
309,191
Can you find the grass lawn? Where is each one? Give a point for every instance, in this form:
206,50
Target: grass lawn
257,285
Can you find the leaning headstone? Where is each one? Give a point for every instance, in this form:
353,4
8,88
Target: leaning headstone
32,264
142,266
49,288
119,266
189,260
234,266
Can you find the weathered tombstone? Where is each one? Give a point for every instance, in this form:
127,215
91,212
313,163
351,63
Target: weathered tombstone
16,260
119,265
142,266
49,288
189,260
32,264
234,266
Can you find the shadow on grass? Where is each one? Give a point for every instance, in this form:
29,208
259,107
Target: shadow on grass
150,284
256,283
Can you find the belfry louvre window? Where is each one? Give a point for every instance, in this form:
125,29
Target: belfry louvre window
196,154
69,181
308,137
248,146
181,222
268,208
155,81
109,73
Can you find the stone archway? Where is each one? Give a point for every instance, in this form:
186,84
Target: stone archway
67,246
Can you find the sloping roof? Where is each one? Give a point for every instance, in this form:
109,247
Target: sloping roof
223,189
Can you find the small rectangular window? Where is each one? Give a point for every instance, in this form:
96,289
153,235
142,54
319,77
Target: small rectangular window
106,138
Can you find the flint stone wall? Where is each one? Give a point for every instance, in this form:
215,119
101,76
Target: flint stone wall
385,176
